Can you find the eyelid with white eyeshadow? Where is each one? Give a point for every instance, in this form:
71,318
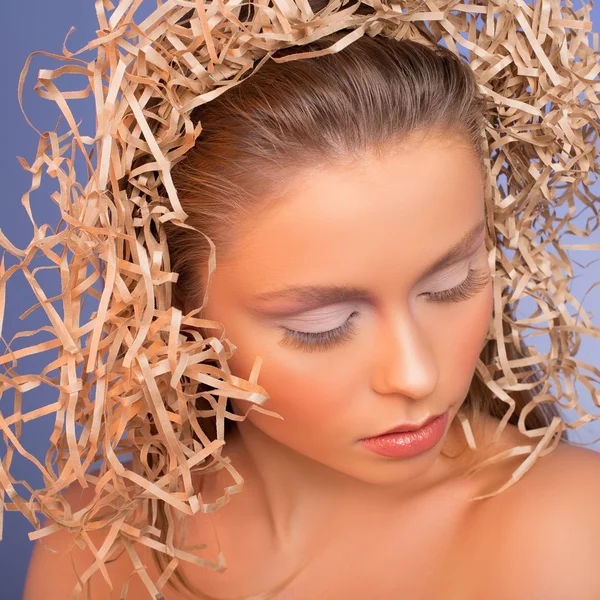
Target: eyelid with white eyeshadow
472,284
333,317
319,321
448,278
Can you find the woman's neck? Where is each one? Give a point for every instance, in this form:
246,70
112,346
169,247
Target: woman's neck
296,495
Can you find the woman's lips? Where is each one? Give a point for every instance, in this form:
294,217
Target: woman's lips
409,443
409,427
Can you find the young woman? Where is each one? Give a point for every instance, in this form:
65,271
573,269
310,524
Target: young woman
356,243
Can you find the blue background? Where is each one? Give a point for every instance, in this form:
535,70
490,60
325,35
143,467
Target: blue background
42,25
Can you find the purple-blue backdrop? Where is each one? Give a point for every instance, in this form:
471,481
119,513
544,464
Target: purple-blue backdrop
42,25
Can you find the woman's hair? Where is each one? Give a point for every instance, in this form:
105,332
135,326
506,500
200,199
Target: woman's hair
295,117
207,114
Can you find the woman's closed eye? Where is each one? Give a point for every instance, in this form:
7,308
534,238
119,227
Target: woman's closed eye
475,281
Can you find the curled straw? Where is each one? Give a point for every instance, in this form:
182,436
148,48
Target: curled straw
140,376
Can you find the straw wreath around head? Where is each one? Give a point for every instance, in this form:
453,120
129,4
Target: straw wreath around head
154,379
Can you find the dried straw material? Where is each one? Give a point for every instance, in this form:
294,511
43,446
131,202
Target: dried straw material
537,65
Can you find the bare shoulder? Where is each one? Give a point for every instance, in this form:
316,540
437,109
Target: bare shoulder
56,561
544,532
561,493
564,483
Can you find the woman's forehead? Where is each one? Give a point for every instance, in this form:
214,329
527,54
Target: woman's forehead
432,193
350,230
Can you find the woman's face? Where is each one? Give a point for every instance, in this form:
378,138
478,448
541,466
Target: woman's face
333,287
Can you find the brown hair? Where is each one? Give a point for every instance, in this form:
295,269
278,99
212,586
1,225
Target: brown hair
308,114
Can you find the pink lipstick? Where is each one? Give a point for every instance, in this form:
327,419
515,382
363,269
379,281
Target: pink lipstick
407,441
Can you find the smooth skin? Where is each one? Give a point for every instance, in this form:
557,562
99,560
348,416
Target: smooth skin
371,527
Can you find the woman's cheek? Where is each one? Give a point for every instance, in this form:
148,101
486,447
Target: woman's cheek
466,338
306,389
317,398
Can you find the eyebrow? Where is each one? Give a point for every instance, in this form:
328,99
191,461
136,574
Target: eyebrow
313,296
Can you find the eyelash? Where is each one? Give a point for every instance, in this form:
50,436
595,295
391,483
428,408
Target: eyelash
475,281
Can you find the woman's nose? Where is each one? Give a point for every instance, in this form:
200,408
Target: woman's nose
403,362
